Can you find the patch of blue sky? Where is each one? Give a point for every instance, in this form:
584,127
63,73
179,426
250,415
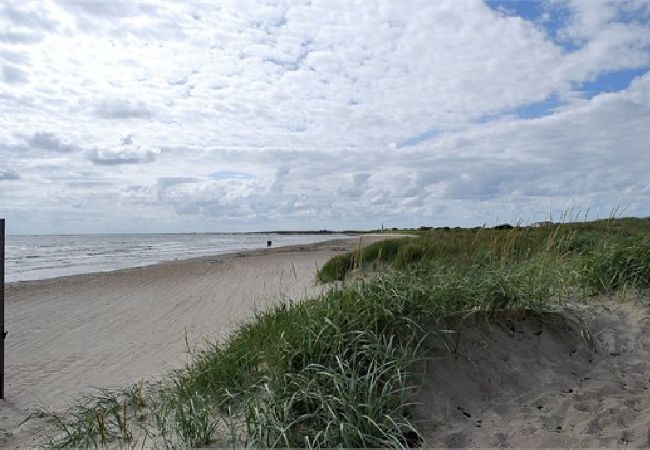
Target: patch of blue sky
485,118
606,82
526,9
536,110
228,175
550,17
429,134
533,110
610,81
553,17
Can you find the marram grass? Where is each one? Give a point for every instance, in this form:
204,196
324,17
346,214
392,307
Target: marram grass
339,369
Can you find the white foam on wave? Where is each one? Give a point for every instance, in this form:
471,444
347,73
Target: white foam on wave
41,257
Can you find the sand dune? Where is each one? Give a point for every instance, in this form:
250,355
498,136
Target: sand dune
579,379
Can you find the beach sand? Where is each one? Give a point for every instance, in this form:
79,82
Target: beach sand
571,379
70,334
580,378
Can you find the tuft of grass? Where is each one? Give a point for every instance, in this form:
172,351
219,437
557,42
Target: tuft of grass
97,419
376,253
615,264
359,400
336,268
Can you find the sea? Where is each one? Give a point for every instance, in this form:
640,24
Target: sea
41,257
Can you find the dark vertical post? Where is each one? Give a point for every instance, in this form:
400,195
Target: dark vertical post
2,308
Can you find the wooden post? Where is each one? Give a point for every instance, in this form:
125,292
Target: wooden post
3,333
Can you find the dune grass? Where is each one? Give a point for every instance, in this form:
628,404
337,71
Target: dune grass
606,254
338,369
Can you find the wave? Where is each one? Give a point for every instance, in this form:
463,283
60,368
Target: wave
39,257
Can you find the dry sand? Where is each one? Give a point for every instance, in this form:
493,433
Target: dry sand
69,334
571,379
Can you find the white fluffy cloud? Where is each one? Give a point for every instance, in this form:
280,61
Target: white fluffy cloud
290,115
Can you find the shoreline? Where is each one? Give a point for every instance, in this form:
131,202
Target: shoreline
110,329
189,258
311,246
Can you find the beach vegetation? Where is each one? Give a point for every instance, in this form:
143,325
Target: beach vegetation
341,369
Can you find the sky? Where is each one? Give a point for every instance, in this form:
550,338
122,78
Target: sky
248,116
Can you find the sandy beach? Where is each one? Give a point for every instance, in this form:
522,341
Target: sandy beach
68,335
577,378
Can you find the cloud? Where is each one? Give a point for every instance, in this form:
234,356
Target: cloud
8,174
20,37
25,17
50,142
163,183
588,19
357,187
281,174
13,75
111,9
15,57
114,157
177,80
126,153
122,109
227,174
235,199
291,114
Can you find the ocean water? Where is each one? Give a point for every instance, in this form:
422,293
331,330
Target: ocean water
40,257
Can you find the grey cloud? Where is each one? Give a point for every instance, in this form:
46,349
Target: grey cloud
360,179
177,80
227,199
122,109
278,182
8,174
28,18
144,194
358,186
110,18
49,141
7,150
115,157
126,153
187,209
14,56
88,184
110,9
13,75
494,179
20,37
163,183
